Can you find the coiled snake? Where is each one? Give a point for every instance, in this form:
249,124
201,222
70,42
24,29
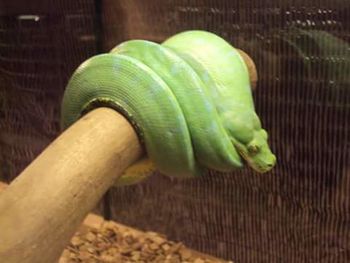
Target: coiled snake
188,98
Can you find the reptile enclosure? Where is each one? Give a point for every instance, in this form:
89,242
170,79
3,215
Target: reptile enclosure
299,212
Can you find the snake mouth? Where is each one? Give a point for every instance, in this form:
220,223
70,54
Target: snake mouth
256,167
249,162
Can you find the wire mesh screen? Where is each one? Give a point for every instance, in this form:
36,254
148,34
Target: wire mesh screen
299,212
40,45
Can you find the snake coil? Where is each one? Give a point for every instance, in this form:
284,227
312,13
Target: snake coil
180,96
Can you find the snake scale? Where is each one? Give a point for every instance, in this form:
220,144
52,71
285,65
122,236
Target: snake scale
189,99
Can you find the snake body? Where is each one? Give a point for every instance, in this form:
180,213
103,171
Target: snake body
189,100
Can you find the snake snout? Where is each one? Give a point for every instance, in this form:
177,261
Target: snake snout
270,162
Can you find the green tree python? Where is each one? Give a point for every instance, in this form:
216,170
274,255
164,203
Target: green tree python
189,100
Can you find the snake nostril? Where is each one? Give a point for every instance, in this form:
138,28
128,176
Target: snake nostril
271,163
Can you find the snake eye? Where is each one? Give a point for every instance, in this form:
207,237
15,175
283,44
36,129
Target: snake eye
253,149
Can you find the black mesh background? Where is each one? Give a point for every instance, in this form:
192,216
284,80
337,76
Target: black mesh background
300,211
40,45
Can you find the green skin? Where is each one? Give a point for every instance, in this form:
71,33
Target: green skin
188,115
231,92
209,138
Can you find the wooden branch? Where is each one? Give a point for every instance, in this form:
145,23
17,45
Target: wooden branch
3,186
253,73
42,208
96,222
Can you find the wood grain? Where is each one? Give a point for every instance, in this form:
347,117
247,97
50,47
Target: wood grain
42,208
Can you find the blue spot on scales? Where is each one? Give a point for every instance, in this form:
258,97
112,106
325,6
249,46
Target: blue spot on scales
205,77
175,69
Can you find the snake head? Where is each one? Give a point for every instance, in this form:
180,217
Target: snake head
257,152
249,139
